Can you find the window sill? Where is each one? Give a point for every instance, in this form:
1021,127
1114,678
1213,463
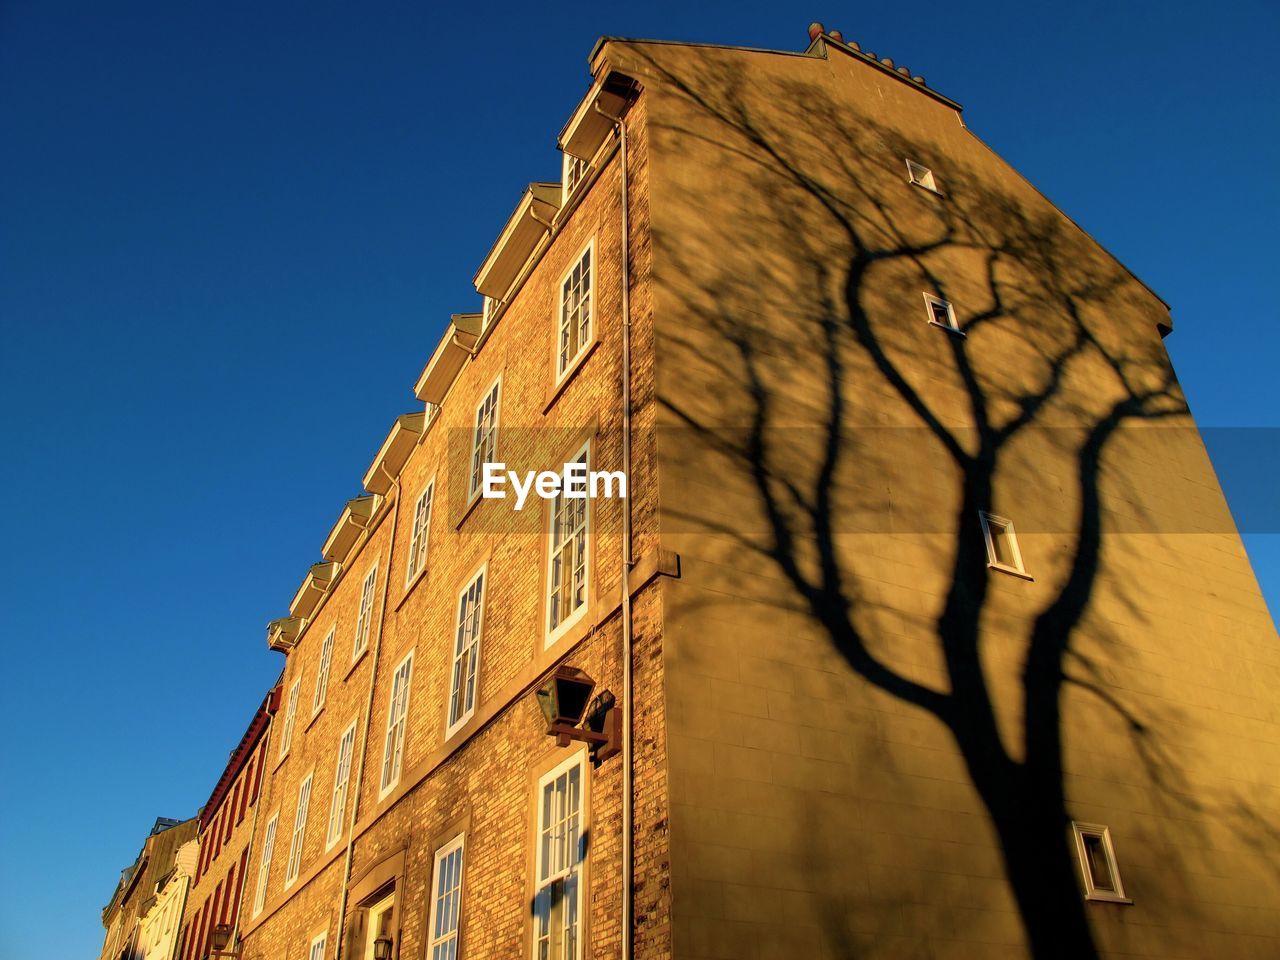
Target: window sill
1011,571
472,503
926,189
279,763
955,331
563,381
1097,897
314,717
355,663
409,587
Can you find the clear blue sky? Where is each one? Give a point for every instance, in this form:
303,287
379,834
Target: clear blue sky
230,233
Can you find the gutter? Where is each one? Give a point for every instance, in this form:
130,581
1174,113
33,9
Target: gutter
358,780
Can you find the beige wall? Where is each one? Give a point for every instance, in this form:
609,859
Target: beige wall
812,812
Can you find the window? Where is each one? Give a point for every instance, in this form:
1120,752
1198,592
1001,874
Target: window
341,776
290,714
466,652
365,618
1002,544
560,849
941,313
574,172
378,919
489,311
264,867
421,528
1098,863
921,176
484,444
299,832
575,311
397,709
567,569
446,901
317,947
322,675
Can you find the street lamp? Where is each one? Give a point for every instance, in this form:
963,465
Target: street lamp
220,937
564,699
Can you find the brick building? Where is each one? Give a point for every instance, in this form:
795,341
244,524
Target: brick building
931,629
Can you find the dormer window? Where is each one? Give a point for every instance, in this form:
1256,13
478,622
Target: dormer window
575,171
941,313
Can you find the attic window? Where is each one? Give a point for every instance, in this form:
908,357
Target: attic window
1002,545
922,176
575,171
941,313
1098,868
491,307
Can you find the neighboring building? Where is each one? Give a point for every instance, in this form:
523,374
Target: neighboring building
160,927
227,823
132,921
839,348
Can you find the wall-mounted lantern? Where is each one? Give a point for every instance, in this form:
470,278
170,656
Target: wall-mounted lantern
219,938
382,948
571,714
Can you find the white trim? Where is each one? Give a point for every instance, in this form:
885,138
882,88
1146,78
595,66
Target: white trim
322,671
476,469
458,845
952,325
364,618
577,857
922,176
452,724
264,863
290,718
393,748
420,537
568,189
1102,833
562,373
301,813
552,634
1011,538
341,780
323,941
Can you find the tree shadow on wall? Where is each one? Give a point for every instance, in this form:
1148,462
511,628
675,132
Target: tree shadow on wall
1055,362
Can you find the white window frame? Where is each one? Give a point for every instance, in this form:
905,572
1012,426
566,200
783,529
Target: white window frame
554,633
489,311
578,759
420,532
439,939
1103,834
364,620
290,718
465,617
988,521
322,671
487,441
294,865
565,364
341,785
952,325
264,864
921,176
393,740
320,941
569,183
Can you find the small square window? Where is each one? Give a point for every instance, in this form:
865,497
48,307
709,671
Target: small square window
575,171
1098,867
922,176
1002,545
491,307
941,313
